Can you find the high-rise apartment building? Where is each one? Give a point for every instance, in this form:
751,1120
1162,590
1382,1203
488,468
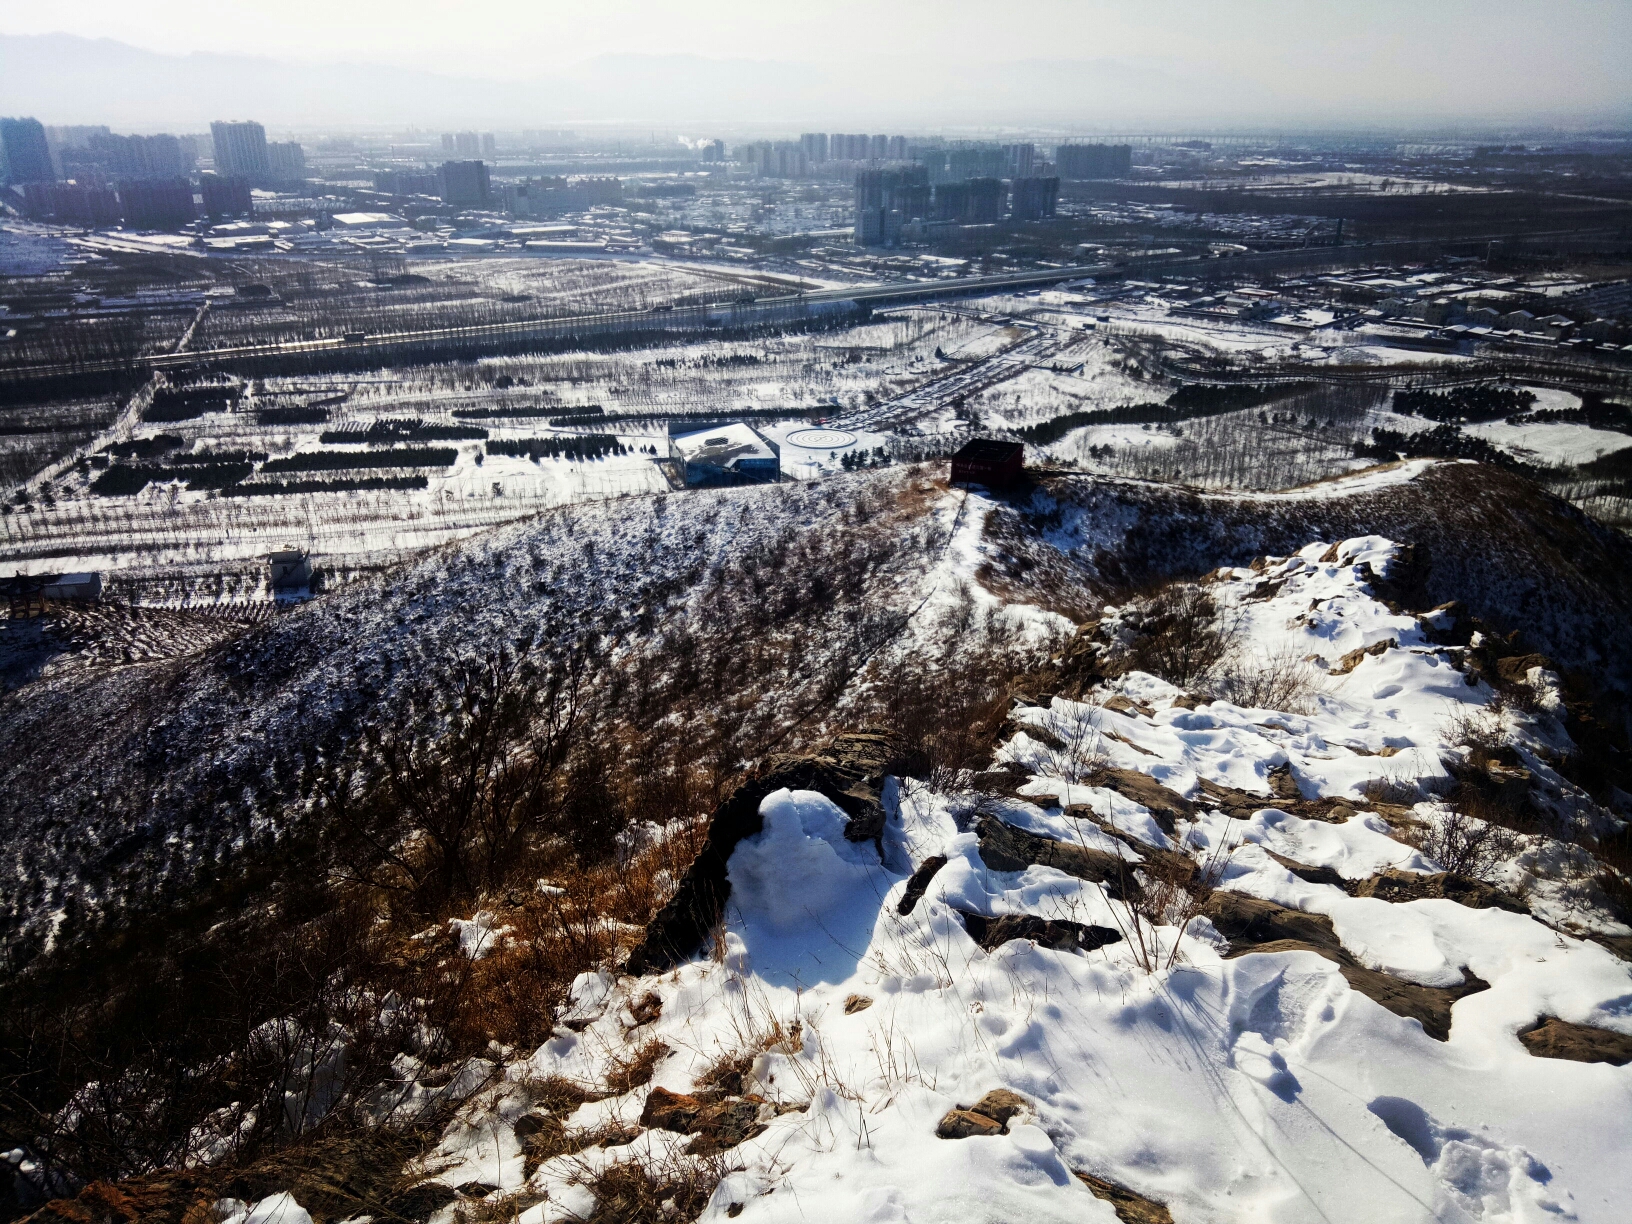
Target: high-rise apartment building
886,200
90,204
1033,198
26,155
447,142
976,201
467,144
157,204
490,145
814,146
1019,159
286,161
240,151
714,151
1093,161
465,183
898,148
126,157
226,195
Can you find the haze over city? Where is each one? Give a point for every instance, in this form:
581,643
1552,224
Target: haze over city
961,63
651,613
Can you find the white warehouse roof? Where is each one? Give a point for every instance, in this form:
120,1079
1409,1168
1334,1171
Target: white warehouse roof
723,445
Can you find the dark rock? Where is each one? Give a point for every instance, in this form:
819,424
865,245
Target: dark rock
1354,658
645,1009
1248,922
1396,885
1282,784
1164,805
918,884
1130,1208
1253,926
1514,668
1619,945
1006,848
1447,625
1311,875
1000,1105
717,1125
1555,1038
850,772
988,1116
1060,935
1238,804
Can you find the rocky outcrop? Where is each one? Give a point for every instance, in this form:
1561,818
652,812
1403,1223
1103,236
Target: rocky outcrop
1395,885
714,1124
1058,934
988,1116
1308,874
1130,1208
1164,805
918,884
850,772
1252,925
1555,1038
1005,848
1354,658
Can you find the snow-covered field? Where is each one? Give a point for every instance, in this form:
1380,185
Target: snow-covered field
1551,444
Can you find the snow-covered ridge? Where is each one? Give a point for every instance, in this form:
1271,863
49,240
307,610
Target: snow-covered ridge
1148,1051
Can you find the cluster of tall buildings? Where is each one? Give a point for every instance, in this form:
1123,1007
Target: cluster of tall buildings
820,147
975,184
888,201
93,177
468,145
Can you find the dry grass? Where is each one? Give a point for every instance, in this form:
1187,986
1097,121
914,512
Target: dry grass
1166,892
630,1070
669,1190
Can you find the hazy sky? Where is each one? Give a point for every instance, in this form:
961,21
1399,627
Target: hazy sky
1447,57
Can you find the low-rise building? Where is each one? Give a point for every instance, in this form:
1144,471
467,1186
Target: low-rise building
290,576
730,452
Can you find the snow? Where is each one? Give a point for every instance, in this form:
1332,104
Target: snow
1551,444
1258,1088
276,1209
478,935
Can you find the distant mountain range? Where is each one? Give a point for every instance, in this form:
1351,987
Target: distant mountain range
63,78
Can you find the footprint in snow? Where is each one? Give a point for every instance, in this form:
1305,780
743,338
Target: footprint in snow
1479,1179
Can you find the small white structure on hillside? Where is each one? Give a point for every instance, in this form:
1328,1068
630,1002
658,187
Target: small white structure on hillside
291,576
730,452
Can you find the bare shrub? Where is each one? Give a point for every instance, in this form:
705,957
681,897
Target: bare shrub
1073,745
1280,681
1168,891
1465,844
1183,639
